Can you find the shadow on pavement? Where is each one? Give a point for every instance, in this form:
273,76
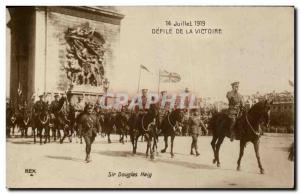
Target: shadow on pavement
22,142
157,160
184,164
65,158
120,153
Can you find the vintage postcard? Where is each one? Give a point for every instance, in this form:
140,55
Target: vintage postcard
150,97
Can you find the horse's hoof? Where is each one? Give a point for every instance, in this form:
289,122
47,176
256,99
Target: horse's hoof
146,156
163,151
218,165
172,155
238,168
214,161
262,171
152,157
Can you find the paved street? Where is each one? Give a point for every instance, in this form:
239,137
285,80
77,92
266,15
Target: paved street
58,165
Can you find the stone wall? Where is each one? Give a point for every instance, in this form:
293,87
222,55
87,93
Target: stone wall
38,45
57,21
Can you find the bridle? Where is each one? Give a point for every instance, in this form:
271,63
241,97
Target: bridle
44,121
251,127
26,120
149,125
168,117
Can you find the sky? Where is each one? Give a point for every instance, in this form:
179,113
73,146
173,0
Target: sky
256,48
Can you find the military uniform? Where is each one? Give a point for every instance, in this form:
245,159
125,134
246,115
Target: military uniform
88,126
38,108
235,103
79,108
195,124
54,110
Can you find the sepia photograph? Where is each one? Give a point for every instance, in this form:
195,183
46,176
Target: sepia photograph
150,97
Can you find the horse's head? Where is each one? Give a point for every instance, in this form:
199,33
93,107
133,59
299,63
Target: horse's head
178,115
266,112
262,111
153,111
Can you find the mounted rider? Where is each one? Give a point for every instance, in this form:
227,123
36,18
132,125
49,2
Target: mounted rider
236,104
39,107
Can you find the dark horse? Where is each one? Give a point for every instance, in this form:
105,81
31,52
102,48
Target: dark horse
108,124
41,123
25,122
121,125
246,130
169,127
66,119
11,121
144,124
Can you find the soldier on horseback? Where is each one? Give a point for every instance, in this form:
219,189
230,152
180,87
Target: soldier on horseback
54,110
235,106
39,107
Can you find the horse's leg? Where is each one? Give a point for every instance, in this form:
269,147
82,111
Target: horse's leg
213,145
132,142
108,137
45,135
172,145
34,130
26,131
64,136
71,134
41,135
166,144
148,146
13,130
21,129
242,147
256,148
122,136
135,142
219,142
153,146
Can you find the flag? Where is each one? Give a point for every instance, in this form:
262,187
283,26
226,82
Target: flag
291,83
145,68
166,76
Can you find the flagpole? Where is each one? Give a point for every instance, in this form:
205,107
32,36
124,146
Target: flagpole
139,80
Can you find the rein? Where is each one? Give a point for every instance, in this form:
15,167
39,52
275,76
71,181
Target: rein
26,121
173,126
248,122
44,121
149,125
